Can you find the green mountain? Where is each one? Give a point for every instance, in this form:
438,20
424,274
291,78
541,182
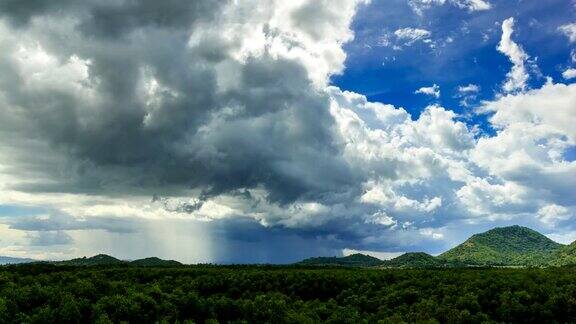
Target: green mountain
155,262
353,260
100,259
414,260
504,246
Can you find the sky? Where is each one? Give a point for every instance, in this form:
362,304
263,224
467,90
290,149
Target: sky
247,131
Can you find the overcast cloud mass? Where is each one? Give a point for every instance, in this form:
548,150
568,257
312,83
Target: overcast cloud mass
211,131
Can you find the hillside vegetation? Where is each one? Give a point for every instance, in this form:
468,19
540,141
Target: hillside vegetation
354,260
565,255
414,260
100,259
104,260
504,246
155,262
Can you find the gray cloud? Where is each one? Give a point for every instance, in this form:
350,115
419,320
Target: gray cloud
272,130
57,222
49,238
115,19
19,13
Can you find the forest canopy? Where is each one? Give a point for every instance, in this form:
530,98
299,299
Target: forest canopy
45,293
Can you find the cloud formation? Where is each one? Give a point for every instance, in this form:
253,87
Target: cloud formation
419,6
569,74
569,30
433,90
517,78
129,92
471,88
411,35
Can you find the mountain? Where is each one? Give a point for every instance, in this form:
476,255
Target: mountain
504,246
155,262
11,260
100,259
353,260
414,260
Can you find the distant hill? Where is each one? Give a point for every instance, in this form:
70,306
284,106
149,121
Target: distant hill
504,246
103,259
155,262
11,260
414,260
407,260
100,259
353,260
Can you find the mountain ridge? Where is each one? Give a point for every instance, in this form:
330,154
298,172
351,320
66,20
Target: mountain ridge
96,260
99,259
105,260
412,260
355,260
501,246
154,262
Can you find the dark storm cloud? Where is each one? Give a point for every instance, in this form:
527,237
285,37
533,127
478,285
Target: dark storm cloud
113,19
273,129
20,12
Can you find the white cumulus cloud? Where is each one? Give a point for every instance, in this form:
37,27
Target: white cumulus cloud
411,35
569,74
569,30
419,6
471,88
552,214
433,90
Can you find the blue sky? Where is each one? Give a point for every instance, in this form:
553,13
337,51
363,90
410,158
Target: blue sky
390,75
250,131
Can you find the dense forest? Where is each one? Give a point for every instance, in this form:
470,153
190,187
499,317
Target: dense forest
47,293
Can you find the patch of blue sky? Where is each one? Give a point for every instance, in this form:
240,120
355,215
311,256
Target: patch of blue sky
570,154
7,210
460,50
